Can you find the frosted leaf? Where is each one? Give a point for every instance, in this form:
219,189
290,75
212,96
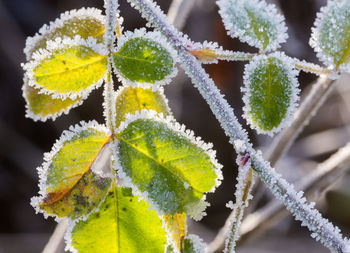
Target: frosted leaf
131,99
331,34
85,22
254,22
42,107
270,92
68,68
71,182
123,223
157,157
144,57
176,229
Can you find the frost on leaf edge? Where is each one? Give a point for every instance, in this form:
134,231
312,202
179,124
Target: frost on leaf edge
37,116
43,169
292,74
31,42
59,44
197,211
270,12
156,37
315,34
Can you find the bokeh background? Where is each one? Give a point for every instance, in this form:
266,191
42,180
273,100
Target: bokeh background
23,141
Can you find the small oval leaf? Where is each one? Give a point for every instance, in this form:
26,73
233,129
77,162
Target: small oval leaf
123,224
68,176
144,57
271,92
130,100
43,107
254,22
70,68
86,22
331,34
166,164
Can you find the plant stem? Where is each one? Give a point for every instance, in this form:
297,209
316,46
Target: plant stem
313,184
178,12
245,181
56,238
329,235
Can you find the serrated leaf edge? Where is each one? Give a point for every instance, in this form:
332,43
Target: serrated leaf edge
43,169
315,34
31,42
38,117
52,47
154,36
269,11
292,74
196,212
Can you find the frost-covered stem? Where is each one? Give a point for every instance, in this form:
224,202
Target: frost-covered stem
179,11
313,68
313,185
327,233
209,55
245,181
111,7
56,238
308,108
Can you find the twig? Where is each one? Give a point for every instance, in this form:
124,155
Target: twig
179,11
56,238
245,181
322,229
313,184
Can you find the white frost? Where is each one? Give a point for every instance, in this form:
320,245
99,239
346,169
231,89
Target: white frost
236,15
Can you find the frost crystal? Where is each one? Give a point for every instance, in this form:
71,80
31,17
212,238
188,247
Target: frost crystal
254,22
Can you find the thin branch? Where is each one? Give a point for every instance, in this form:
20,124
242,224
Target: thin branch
313,184
322,229
56,238
245,181
179,11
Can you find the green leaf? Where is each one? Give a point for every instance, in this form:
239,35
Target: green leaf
84,22
143,58
271,92
71,68
130,100
122,224
41,106
169,167
71,178
331,35
254,22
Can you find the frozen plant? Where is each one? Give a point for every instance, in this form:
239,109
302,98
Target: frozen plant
129,184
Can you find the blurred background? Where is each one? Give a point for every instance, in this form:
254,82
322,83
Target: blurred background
23,141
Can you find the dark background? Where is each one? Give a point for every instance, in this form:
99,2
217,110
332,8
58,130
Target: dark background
23,142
